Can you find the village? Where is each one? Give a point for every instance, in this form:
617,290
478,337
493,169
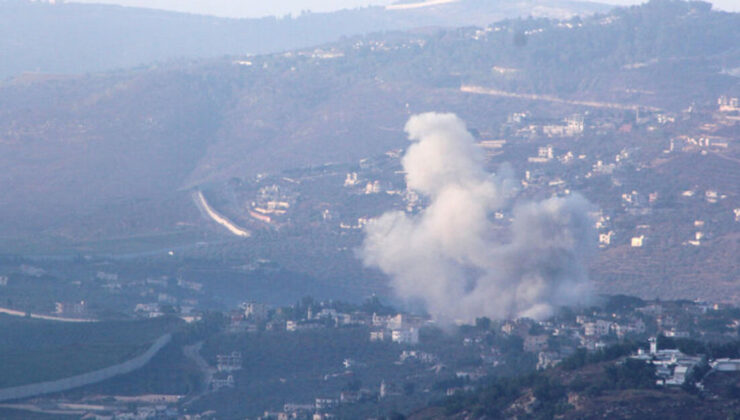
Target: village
653,327
423,359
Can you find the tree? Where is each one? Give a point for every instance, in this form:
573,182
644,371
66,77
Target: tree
483,323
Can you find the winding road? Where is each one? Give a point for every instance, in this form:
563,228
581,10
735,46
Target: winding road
202,204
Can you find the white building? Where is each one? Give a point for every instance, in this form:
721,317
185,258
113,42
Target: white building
597,329
638,241
255,311
726,365
405,336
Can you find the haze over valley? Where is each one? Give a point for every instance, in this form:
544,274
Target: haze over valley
381,211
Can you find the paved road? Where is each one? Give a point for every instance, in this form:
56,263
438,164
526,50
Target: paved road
14,312
548,98
202,204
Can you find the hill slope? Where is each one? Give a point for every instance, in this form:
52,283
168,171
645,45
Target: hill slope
73,146
78,38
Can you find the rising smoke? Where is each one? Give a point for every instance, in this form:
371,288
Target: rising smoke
453,257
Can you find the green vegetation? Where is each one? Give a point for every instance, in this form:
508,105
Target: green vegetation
730,349
169,372
495,398
550,390
631,374
282,367
582,358
35,350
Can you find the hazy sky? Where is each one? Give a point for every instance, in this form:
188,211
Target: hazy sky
258,8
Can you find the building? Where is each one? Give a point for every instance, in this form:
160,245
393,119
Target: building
229,362
726,365
351,179
217,383
71,308
380,335
405,336
597,328
638,241
349,397
673,333
255,311
544,154
326,403
672,366
728,104
605,239
547,359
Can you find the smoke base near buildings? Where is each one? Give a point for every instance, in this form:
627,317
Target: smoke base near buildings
454,258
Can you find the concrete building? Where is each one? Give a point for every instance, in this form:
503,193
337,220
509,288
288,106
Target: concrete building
405,336
255,311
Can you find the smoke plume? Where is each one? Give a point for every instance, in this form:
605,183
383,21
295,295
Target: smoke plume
455,258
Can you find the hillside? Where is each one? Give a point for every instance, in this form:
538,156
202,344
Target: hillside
604,384
81,144
39,37
107,163
38,351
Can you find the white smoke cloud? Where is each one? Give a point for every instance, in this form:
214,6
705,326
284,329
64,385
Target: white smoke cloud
453,258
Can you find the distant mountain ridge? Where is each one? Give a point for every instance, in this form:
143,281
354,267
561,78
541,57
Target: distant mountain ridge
73,38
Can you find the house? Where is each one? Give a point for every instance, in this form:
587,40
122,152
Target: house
255,311
302,325
401,321
679,375
544,154
405,336
519,327
349,397
351,179
326,403
635,327
470,375
388,390
597,329
380,335
726,365
217,383
638,241
297,408
71,308
420,356
673,333
229,362
380,320
546,359
372,187
728,104
605,239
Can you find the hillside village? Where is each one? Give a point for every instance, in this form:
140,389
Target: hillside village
549,157
411,362
647,207
259,211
